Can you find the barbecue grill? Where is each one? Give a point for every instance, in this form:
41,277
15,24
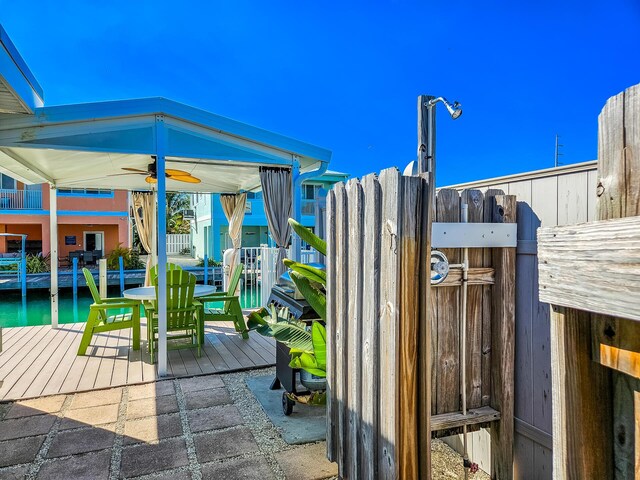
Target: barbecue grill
285,294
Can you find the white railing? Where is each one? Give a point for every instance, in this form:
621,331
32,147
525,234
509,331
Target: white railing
13,199
259,274
177,242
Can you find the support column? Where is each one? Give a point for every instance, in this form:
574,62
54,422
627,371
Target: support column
212,241
53,235
296,195
161,246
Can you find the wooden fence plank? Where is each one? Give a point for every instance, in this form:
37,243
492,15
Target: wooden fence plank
354,322
425,332
502,345
332,406
448,352
389,299
581,401
592,266
370,303
475,204
489,198
409,327
341,327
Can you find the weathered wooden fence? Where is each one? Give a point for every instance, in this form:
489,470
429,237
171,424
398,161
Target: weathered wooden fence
590,273
394,342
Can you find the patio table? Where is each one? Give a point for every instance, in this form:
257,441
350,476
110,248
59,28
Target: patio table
149,293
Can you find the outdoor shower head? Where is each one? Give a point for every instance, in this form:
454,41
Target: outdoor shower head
455,110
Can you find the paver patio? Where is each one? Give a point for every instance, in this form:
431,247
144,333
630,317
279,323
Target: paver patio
191,428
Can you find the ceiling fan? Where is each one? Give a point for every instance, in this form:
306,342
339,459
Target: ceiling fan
152,174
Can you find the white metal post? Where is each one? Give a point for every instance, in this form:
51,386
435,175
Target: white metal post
162,246
53,232
296,186
102,277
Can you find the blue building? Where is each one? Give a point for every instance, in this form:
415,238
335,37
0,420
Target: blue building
254,227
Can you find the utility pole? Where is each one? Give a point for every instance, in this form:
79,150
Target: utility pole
558,154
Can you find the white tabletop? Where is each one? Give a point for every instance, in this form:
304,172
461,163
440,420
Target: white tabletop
149,293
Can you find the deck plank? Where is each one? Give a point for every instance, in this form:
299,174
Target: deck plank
59,375
40,360
13,370
43,377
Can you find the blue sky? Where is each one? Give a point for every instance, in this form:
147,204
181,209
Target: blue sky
346,75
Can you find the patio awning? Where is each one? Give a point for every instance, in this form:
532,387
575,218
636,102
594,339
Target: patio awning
86,145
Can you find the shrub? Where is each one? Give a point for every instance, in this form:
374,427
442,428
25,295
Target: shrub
38,263
130,257
211,262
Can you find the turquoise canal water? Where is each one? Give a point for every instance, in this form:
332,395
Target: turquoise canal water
35,308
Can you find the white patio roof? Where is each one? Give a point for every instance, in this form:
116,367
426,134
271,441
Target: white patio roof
87,145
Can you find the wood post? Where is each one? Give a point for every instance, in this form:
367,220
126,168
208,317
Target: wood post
582,443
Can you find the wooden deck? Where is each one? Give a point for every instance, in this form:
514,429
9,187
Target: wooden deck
38,361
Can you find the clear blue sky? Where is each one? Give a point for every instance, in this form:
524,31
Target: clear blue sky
346,77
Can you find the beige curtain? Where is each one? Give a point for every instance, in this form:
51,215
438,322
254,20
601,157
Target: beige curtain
144,211
233,207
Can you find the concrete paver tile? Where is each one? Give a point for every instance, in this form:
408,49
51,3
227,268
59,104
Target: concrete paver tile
20,450
80,441
207,398
90,416
228,443
26,426
252,468
90,466
96,398
152,429
36,406
149,407
149,458
308,462
214,418
204,382
151,390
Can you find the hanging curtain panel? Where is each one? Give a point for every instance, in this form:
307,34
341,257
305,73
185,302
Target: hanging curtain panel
233,207
277,193
144,207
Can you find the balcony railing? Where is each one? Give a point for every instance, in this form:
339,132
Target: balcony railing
308,207
11,199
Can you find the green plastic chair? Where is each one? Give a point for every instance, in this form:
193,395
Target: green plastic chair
230,305
153,271
149,307
183,314
100,321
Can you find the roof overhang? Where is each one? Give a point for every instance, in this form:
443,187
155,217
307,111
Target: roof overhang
19,90
87,145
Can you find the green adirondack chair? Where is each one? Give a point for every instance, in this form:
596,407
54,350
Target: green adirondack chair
99,319
153,272
150,307
229,305
183,314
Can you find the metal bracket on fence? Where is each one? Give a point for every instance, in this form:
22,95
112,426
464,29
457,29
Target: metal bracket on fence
474,235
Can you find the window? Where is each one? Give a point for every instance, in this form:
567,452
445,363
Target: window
309,191
7,182
85,192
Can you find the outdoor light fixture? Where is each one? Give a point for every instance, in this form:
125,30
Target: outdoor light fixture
455,109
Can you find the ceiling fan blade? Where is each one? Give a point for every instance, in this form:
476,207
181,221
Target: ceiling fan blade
135,170
185,178
172,172
150,179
